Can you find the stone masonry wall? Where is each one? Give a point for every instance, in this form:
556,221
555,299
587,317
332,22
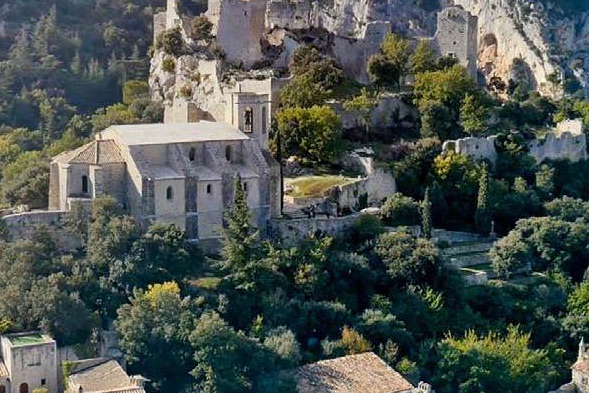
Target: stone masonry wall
24,225
552,147
290,232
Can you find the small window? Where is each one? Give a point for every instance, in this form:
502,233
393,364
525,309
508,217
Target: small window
209,189
264,120
43,382
245,187
248,120
84,184
228,153
169,193
191,154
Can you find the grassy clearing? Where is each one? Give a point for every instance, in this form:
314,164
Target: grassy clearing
315,186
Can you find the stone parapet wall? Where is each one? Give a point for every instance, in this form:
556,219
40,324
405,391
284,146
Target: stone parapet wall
290,231
23,226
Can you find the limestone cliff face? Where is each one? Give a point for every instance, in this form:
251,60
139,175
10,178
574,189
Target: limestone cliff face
543,36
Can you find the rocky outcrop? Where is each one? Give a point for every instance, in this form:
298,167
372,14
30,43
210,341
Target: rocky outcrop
547,39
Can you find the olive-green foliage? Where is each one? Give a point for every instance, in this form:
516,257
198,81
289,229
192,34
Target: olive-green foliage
201,28
368,227
543,243
156,323
133,90
313,132
452,98
409,260
26,181
171,42
400,210
388,67
221,352
423,58
314,78
494,364
169,65
568,209
457,176
413,166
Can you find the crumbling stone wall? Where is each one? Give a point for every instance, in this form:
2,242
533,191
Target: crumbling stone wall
477,148
290,231
552,147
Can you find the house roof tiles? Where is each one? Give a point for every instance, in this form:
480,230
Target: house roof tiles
102,375
351,374
95,152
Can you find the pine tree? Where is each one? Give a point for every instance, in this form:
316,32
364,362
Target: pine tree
240,239
483,215
426,216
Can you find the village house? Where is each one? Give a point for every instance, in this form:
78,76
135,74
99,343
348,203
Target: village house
362,373
28,363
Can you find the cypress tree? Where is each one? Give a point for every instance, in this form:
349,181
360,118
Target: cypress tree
426,216
483,215
240,238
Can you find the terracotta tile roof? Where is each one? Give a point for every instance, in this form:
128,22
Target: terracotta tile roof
3,370
101,375
364,373
107,150
581,365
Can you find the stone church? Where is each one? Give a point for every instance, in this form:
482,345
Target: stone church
181,173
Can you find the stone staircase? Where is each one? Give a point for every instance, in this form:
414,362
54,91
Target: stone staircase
468,253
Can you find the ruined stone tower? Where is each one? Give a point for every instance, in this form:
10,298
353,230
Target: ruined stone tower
238,26
456,36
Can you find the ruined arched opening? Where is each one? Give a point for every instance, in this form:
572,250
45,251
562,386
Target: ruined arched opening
490,44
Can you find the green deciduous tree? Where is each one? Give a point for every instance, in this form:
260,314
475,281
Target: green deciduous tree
313,133
474,114
156,325
409,260
364,104
228,361
494,364
423,58
388,67
400,210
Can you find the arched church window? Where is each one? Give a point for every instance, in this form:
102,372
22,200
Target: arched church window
245,187
2,389
191,154
84,184
228,153
169,193
209,189
248,120
264,120
23,388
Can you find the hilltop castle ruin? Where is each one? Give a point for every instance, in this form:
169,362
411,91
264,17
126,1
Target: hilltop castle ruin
258,37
